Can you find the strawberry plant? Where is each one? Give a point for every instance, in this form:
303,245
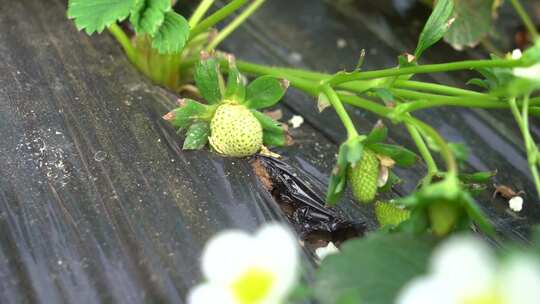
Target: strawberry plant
226,115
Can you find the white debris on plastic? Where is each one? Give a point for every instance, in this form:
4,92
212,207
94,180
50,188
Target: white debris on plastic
323,252
296,121
516,203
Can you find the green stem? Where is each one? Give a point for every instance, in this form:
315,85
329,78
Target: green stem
522,120
199,12
234,24
340,110
430,68
424,151
525,18
435,88
445,150
125,42
216,17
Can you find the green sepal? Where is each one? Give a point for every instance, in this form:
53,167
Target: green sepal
377,135
402,156
190,111
393,180
236,88
148,15
449,192
265,92
350,152
207,79
274,135
478,177
197,136
338,179
172,35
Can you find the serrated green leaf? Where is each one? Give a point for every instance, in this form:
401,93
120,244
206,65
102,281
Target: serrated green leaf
473,22
190,111
436,26
207,80
148,15
372,269
264,92
197,136
172,35
94,16
402,156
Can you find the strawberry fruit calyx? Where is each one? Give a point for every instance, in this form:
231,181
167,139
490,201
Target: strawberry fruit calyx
230,120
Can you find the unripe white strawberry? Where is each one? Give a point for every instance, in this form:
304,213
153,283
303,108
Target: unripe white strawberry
235,132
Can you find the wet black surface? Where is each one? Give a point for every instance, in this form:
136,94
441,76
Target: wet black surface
98,204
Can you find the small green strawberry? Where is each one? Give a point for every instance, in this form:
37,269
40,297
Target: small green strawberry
443,217
235,132
363,177
390,214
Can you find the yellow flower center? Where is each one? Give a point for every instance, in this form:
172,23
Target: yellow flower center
253,286
484,298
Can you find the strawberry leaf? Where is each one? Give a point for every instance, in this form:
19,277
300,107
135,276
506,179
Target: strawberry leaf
94,16
372,269
436,26
172,35
148,15
265,92
197,136
207,80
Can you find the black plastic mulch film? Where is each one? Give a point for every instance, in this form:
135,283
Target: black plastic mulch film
98,204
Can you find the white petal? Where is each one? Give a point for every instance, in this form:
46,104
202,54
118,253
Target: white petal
532,72
277,251
426,290
207,293
520,280
226,256
516,203
466,264
296,121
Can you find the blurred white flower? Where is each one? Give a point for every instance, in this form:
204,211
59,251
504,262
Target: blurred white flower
245,269
296,121
516,203
532,72
464,271
323,252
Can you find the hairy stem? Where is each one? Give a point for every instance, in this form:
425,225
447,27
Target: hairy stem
235,24
525,18
125,42
199,12
336,103
216,17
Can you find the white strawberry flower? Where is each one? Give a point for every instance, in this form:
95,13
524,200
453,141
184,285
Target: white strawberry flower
248,269
532,72
465,271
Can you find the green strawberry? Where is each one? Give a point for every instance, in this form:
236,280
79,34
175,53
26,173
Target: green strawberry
443,216
363,177
390,214
235,132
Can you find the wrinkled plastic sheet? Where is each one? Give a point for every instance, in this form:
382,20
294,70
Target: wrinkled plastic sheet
98,204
